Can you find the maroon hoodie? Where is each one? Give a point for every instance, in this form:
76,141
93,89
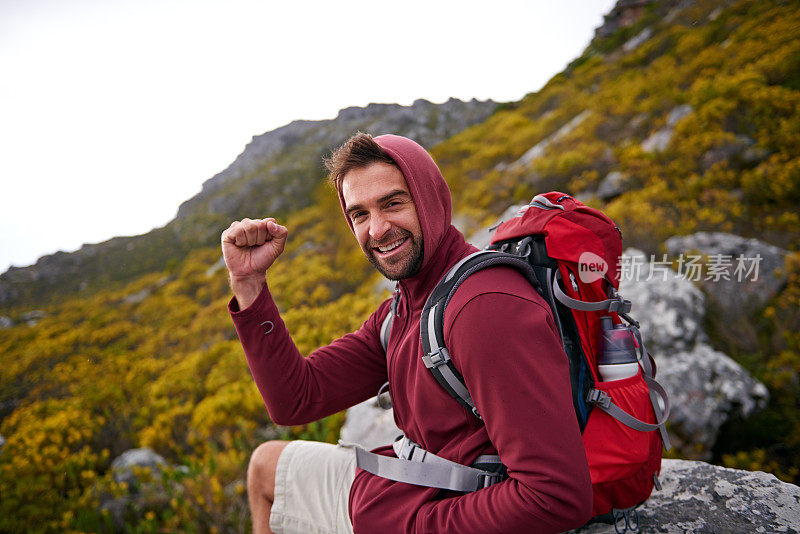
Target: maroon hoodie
501,337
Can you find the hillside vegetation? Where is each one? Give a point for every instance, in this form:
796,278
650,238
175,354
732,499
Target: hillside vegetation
151,358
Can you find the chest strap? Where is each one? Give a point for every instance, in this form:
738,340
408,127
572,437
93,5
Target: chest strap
415,465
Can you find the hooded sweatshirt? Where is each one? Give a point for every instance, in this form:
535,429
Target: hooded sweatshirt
501,337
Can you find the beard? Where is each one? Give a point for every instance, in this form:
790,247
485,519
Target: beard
403,268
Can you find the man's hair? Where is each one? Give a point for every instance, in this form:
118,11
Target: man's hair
359,151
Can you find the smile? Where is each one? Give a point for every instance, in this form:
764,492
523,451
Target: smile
391,246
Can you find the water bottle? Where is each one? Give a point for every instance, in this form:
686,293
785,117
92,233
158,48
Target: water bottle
617,351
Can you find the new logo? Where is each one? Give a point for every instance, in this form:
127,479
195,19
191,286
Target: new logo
591,267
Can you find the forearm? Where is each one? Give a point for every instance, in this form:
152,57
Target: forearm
297,390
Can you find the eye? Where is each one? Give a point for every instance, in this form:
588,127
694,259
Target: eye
357,215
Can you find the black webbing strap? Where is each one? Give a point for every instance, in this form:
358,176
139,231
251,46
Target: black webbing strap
435,354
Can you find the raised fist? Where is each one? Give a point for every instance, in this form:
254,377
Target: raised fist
251,246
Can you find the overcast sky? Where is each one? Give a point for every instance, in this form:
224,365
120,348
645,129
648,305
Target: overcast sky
113,112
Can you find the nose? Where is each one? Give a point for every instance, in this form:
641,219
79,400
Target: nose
378,226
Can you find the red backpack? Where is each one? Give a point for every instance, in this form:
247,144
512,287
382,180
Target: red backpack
575,251
570,253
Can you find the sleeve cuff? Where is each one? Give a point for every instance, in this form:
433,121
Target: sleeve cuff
262,305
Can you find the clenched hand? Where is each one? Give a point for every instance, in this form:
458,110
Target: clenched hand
250,247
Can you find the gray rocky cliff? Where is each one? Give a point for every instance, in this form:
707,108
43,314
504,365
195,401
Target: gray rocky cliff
274,174
423,121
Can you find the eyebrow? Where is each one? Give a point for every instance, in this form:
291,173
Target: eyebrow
383,199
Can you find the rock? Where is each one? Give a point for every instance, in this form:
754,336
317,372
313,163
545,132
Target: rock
123,465
694,496
677,114
369,425
612,185
136,298
706,387
699,498
2,442
659,140
6,322
624,13
142,494
482,238
32,317
754,154
539,148
731,150
634,42
218,265
669,308
736,290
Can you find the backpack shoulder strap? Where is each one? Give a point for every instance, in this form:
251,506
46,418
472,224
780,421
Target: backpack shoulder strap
386,326
435,354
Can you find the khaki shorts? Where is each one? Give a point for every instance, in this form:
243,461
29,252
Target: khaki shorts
312,489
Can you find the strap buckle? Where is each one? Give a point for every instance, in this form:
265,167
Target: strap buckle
412,449
599,397
620,306
437,358
489,479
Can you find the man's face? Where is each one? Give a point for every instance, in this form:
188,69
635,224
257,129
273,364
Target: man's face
379,205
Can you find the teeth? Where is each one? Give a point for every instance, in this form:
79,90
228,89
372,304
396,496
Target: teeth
391,246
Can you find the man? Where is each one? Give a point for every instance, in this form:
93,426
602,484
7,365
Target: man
501,337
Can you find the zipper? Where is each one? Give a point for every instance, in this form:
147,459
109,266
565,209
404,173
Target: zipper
391,358
582,404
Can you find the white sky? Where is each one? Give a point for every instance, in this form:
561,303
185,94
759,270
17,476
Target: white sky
113,112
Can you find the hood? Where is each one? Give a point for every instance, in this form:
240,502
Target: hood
427,186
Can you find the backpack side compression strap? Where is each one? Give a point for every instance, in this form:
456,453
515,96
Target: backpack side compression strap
415,465
435,354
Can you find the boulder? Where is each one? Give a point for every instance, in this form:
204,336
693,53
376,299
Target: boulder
694,497
369,425
706,389
612,186
659,140
123,465
6,322
678,113
539,148
33,317
669,308
138,297
634,42
705,386
750,271
731,150
701,498
142,494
